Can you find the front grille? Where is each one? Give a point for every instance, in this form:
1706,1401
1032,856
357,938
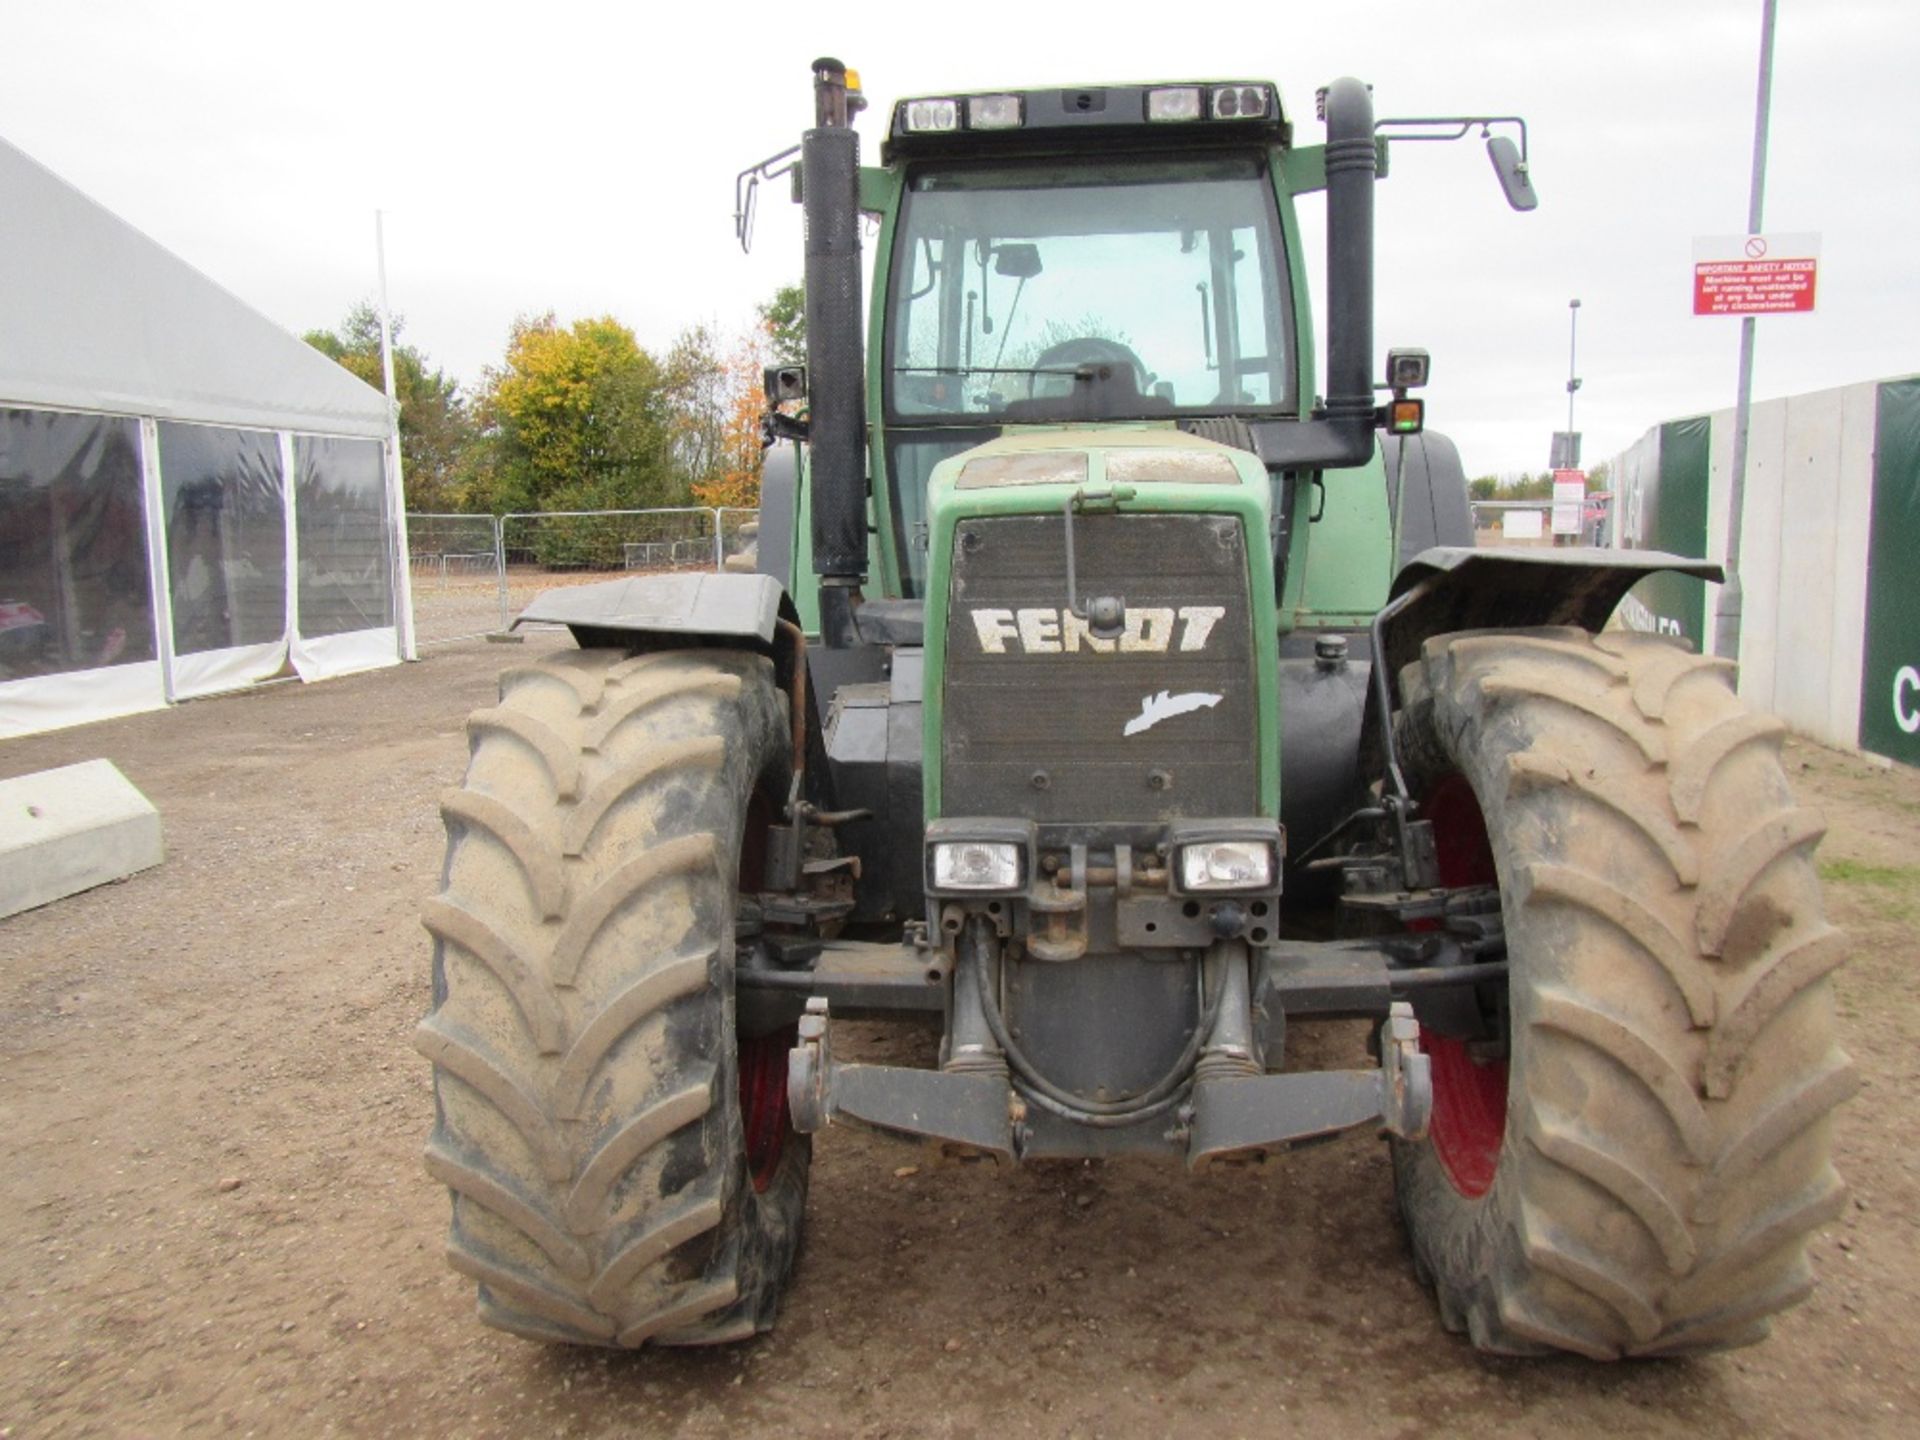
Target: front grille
1036,719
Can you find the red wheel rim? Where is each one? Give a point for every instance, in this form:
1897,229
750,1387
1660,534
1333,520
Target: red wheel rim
763,1058
1469,1122
763,1103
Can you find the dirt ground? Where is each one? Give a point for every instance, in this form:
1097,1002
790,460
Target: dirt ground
216,1219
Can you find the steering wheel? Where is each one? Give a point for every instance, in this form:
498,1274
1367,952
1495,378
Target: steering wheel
1090,350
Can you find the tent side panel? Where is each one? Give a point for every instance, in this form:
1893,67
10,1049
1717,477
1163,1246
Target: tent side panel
74,575
346,554
79,697
224,501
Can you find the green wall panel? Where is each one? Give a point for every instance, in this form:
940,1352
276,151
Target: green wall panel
1674,511
1890,676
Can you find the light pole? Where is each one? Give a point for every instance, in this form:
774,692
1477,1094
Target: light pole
1573,381
1726,610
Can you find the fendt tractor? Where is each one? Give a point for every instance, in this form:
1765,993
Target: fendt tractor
1120,696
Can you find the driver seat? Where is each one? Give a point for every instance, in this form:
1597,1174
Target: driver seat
1101,391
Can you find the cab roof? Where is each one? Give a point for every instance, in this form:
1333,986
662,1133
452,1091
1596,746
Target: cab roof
1181,114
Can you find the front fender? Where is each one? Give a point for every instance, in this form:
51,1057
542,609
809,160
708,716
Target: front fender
717,607
1452,588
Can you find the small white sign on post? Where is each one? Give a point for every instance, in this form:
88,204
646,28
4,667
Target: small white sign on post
1569,500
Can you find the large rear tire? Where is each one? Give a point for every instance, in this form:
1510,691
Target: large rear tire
1640,1173
621,1162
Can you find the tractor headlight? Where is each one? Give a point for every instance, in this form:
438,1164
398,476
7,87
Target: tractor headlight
932,115
1226,865
978,855
1240,102
993,112
1174,102
978,865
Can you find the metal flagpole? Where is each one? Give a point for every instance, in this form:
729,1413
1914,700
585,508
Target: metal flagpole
1726,613
397,504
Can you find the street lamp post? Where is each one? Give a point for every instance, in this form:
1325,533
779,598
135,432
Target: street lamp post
1573,381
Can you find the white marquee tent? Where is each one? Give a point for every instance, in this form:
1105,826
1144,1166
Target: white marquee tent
192,500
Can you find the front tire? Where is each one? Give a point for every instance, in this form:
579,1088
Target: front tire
621,1163
1640,1174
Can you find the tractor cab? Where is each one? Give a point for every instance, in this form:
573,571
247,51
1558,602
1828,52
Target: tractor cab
1086,273
1063,257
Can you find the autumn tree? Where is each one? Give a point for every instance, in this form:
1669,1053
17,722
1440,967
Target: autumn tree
436,430
736,478
577,418
699,390
784,317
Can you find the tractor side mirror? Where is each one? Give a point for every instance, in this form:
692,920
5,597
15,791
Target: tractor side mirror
1017,260
1512,170
784,383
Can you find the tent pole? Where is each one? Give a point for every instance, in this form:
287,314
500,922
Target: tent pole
396,487
289,488
159,563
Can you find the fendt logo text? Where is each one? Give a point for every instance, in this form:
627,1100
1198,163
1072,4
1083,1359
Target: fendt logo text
1150,628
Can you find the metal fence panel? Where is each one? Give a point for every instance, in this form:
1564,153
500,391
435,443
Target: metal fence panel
473,573
545,551
455,564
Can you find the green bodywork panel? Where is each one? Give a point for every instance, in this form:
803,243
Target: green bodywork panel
1340,565
1306,167
805,588
805,584
1247,497
880,192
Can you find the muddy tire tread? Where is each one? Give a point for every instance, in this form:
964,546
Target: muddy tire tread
1668,1156
589,1141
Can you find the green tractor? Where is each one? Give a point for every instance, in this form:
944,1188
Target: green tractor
1111,703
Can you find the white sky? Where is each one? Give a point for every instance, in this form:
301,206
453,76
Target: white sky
580,158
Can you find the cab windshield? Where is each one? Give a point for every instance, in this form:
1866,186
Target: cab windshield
1121,290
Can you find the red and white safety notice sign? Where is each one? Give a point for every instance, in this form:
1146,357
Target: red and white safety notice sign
1569,500
1755,274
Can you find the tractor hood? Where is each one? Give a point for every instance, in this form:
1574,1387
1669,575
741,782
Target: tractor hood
1112,564
1041,469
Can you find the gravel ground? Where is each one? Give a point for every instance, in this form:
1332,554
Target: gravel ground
217,1219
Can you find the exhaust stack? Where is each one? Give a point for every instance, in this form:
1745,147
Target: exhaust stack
830,191
1352,163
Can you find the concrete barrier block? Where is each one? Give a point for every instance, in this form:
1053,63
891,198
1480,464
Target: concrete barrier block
67,830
